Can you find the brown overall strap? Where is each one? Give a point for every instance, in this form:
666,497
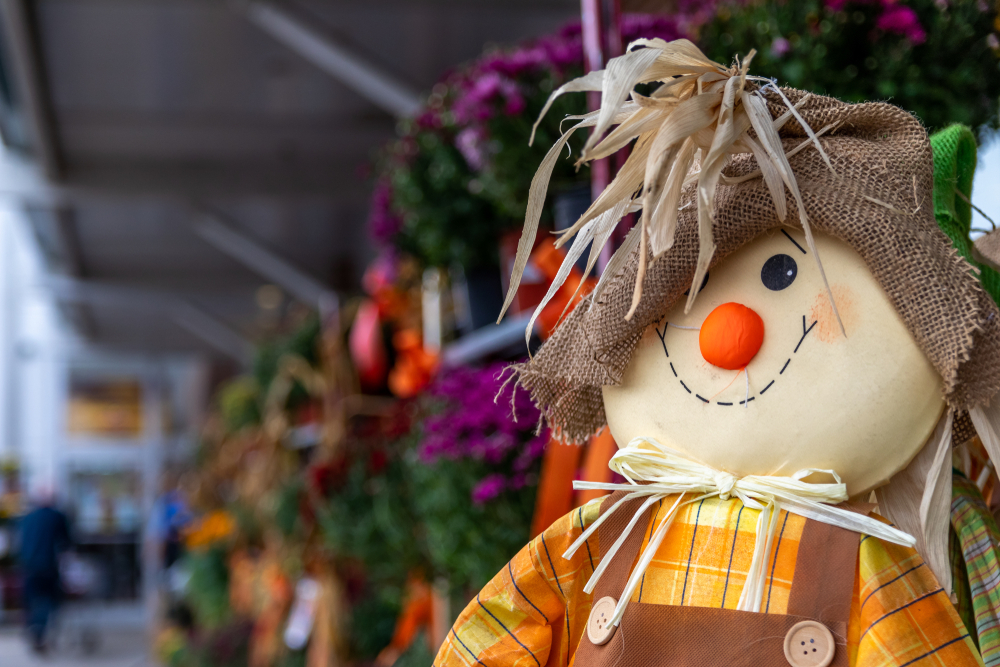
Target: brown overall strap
655,635
613,581
823,585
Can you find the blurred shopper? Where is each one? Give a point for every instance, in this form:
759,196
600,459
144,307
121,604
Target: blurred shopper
170,516
44,533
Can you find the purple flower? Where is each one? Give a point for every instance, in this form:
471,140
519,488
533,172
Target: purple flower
639,26
429,119
839,5
692,14
490,83
466,423
780,47
470,143
836,5
383,223
516,482
488,488
902,21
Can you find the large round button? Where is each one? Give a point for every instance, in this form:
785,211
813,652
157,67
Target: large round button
809,644
599,627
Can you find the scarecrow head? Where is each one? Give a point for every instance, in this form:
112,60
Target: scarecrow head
786,299
758,376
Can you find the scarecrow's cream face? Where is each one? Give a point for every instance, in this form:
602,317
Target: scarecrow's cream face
862,405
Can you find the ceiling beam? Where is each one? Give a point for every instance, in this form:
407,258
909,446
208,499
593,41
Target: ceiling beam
103,293
183,313
336,59
25,182
213,332
21,38
55,231
69,239
55,228
215,230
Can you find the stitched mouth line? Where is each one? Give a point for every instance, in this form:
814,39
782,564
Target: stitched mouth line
662,336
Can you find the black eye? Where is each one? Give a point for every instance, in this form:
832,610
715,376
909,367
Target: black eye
704,281
778,272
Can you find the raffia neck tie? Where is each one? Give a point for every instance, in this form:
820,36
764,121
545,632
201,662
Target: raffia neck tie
655,471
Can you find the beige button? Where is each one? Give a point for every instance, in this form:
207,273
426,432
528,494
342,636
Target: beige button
809,644
599,627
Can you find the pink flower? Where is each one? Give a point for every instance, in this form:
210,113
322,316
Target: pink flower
780,47
902,21
488,488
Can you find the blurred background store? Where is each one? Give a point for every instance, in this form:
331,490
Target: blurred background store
250,256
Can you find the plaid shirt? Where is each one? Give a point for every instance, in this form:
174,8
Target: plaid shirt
978,574
534,612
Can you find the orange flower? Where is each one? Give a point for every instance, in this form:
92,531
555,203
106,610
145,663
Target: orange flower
414,367
209,529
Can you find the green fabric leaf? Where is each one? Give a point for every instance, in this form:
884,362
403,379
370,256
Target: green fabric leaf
954,151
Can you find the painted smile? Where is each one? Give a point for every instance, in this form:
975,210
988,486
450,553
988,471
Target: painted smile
749,398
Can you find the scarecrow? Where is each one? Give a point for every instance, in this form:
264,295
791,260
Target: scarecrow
786,348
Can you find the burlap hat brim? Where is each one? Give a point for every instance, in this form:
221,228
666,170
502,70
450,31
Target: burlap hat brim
878,200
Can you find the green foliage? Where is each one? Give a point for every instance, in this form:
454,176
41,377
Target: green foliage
225,646
240,400
303,342
293,659
418,655
458,176
474,472
433,189
373,621
239,403
468,542
250,521
506,178
453,214
950,77
287,508
207,591
370,519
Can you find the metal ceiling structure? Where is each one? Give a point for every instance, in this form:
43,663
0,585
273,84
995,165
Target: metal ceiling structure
174,156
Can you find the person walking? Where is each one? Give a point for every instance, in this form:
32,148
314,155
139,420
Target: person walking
44,536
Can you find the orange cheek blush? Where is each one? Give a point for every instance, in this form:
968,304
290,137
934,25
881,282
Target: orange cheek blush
731,336
827,329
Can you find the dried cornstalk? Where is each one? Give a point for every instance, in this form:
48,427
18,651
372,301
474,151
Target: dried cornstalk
686,131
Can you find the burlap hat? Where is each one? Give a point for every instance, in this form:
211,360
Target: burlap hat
875,194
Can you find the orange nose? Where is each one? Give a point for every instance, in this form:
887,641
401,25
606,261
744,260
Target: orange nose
731,336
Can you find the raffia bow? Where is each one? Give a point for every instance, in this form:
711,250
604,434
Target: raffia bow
655,471
685,132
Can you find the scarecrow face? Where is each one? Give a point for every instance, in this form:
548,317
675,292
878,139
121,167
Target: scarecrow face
758,378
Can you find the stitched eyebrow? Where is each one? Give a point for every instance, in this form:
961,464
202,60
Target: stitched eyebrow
789,237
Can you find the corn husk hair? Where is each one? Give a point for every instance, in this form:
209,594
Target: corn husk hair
685,132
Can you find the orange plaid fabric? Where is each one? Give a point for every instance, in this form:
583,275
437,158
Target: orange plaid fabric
534,612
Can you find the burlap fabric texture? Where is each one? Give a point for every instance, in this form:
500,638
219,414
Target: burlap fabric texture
879,201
